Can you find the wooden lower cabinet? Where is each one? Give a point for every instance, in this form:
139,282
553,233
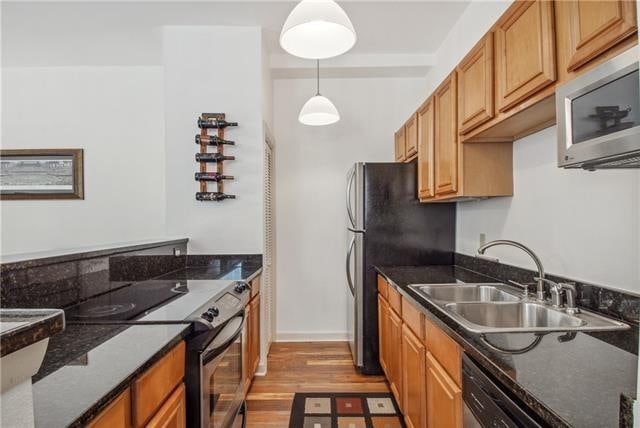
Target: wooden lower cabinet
173,412
251,357
117,414
414,381
383,320
444,397
394,362
156,398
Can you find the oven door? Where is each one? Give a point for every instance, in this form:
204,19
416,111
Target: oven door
221,380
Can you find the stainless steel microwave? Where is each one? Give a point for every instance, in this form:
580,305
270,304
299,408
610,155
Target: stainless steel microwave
598,116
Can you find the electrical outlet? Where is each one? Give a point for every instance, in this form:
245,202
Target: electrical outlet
176,251
483,239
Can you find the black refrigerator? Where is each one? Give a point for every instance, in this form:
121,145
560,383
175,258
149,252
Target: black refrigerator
387,225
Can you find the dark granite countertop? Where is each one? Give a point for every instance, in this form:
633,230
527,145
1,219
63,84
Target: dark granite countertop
86,366
566,380
82,372
24,327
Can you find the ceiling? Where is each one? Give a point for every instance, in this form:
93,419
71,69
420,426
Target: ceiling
394,37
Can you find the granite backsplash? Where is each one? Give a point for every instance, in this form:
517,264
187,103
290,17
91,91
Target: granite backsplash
614,303
63,281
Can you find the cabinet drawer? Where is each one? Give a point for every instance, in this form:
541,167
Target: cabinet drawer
173,413
117,414
444,349
156,384
412,317
395,300
383,287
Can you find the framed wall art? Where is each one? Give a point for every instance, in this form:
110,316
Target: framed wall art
41,174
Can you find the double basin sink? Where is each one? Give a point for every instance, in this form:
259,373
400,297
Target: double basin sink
496,308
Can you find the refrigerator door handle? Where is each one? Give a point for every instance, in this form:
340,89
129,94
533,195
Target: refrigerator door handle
352,176
349,254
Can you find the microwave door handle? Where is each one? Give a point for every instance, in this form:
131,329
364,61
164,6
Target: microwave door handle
216,348
349,255
352,176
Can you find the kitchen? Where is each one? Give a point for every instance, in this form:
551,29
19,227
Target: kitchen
485,269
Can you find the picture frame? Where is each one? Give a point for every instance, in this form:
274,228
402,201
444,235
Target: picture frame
33,174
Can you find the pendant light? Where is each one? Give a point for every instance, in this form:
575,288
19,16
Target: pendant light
317,29
318,110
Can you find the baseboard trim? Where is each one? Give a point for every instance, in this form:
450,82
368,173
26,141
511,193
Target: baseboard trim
312,336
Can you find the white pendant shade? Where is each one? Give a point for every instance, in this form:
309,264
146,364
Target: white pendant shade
317,29
318,111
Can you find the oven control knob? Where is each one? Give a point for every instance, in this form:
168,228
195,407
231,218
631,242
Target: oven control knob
241,287
207,316
214,311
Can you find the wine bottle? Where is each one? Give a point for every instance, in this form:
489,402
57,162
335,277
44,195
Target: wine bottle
212,140
212,157
212,176
213,196
214,123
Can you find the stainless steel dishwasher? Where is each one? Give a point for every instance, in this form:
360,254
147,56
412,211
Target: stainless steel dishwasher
486,404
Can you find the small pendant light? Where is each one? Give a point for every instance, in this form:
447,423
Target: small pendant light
317,29
318,110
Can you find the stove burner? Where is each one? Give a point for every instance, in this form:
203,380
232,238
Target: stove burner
106,310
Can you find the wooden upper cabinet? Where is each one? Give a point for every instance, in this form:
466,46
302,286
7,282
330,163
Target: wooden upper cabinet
475,86
595,27
525,51
426,136
411,137
400,145
444,397
446,137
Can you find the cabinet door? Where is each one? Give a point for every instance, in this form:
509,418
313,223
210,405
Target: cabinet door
173,412
414,381
400,145
446,137
596,26
383,320
411,137
525,51
425,119
444,397
255,335
475,86
117,414
246,356
394,362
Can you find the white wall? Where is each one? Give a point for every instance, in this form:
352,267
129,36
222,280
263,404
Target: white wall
115,114
583,225
311,167
228,79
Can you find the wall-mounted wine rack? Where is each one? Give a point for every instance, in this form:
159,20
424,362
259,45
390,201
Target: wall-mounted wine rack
215,122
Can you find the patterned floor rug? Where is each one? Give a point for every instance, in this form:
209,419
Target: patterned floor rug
345,410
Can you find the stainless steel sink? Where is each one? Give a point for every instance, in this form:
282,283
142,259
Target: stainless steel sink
520,315
495,308
466,293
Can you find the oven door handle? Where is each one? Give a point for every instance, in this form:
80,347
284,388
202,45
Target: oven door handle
221,342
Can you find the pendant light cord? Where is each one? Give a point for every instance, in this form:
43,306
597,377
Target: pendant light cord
317,77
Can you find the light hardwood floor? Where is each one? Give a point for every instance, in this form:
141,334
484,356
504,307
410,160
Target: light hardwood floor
303,367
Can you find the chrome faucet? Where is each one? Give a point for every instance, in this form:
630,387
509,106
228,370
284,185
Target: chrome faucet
540,278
